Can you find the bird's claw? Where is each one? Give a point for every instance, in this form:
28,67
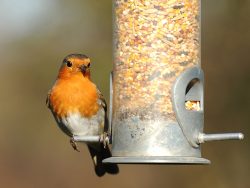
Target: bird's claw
73,144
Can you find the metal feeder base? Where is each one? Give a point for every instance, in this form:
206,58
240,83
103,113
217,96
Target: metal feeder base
156,160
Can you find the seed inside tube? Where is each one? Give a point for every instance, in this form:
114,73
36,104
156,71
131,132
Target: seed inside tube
155,41
193,105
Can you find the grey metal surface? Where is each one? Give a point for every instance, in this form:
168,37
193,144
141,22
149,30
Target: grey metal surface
156,160
159,138
141,141
190,121
219,136
150,138
110,105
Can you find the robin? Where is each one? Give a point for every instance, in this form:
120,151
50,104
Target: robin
80,109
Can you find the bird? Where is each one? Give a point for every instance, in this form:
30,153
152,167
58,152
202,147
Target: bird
79,108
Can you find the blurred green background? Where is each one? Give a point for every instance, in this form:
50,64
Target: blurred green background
34,38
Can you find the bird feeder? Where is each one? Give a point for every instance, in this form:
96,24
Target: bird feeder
157,87
157,84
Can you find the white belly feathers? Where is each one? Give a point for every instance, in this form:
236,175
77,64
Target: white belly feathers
81,126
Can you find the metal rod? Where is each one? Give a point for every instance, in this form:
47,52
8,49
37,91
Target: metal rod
88,138
220,136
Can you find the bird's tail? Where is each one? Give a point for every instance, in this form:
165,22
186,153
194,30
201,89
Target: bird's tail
98,153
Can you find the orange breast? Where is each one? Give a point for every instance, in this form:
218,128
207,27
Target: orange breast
76,94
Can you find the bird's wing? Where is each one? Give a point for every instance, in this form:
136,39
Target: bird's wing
102,100
103,104
47,99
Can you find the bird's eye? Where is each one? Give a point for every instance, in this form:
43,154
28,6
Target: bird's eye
88,65
69,64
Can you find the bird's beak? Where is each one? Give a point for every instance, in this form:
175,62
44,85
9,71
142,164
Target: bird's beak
83,69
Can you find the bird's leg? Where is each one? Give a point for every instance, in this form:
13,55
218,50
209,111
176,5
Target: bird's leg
73,144
105,139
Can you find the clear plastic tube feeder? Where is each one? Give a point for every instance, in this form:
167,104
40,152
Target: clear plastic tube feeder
158,105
